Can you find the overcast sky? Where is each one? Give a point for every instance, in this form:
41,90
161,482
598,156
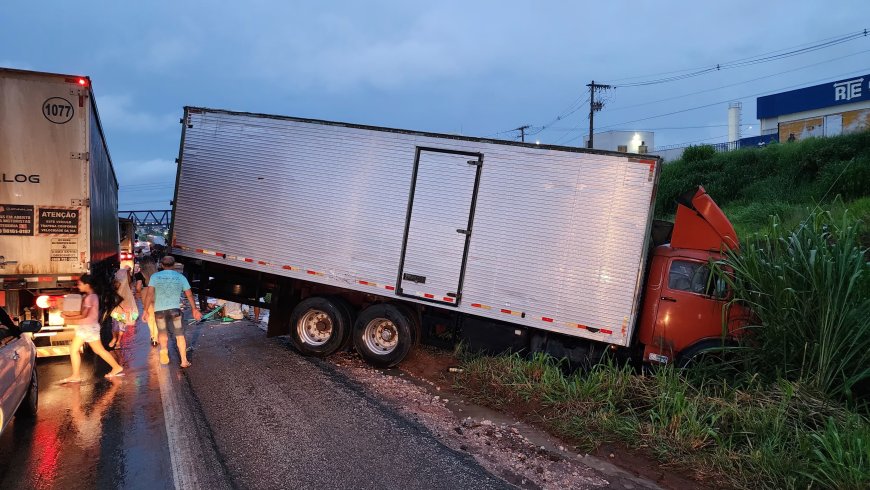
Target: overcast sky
475,68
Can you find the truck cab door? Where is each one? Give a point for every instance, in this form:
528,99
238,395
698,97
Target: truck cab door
689,307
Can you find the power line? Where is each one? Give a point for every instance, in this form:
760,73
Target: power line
577,128
612,81
765,58
737,83
766,92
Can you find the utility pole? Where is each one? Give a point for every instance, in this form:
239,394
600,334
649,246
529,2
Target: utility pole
522,130
594,107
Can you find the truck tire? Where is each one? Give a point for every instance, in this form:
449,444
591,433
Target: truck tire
384,334
31,399
319,326
709,350
416,323
350,313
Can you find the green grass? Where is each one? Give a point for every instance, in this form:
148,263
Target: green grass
745,435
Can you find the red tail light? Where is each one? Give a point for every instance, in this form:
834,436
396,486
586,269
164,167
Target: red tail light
46,301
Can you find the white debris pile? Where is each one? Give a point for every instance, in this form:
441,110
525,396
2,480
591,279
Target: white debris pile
501,448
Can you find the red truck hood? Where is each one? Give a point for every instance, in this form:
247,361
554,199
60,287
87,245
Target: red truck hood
701,225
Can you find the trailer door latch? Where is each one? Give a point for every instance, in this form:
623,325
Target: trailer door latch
464,232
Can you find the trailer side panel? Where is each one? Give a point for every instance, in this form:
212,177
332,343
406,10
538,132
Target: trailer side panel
556,237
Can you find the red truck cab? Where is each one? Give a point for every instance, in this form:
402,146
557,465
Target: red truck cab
683,308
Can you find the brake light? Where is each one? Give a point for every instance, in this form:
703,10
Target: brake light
43,301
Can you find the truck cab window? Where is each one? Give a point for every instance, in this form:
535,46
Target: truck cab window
692,277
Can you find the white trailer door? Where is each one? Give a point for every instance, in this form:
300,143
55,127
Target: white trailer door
438,227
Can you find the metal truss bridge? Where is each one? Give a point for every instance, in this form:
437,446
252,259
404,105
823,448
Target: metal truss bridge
150,217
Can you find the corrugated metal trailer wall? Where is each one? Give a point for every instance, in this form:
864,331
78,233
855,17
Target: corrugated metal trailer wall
103,193
547,237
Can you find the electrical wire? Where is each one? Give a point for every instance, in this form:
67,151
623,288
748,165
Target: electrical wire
685,70
765,58
617,109
759,94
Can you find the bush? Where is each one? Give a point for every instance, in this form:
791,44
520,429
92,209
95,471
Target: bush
796,173
698,153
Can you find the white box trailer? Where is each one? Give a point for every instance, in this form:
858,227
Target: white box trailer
58,196
541,237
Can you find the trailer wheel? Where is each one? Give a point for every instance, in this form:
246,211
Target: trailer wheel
350,314
384,334
319,326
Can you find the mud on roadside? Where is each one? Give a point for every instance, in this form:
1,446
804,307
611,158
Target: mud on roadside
517,452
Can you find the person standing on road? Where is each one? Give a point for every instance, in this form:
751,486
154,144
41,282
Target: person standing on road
168,286
87,325
147,268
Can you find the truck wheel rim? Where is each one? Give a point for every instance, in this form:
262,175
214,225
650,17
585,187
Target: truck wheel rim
381,336
315,327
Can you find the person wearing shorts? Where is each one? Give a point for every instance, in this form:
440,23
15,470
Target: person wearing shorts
168,287
87,325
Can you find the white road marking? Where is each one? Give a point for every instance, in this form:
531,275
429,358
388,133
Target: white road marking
184,451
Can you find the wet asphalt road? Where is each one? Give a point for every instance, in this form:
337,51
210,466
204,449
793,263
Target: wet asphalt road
249,413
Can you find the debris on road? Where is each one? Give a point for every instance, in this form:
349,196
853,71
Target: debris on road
499,446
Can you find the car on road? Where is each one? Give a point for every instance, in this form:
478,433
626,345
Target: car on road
18,382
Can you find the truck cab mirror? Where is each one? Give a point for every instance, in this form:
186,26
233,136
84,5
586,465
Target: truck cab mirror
31,326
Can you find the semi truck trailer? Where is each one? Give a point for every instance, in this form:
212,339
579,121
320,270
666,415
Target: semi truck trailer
58,198
378,237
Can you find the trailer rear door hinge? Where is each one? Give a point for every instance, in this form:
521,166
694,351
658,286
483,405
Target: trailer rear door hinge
475,162
80,202
464,232
80,156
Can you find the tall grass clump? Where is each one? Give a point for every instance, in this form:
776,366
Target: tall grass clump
810,290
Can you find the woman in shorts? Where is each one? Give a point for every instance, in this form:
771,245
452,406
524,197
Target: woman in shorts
87,325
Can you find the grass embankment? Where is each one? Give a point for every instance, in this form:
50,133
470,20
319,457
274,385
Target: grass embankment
786,180
790,408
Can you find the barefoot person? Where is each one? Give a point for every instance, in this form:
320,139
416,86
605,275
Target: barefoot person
168,286
88,330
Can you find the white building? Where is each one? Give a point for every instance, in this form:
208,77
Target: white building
624,141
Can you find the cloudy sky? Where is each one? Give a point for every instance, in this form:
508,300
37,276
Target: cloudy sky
477,68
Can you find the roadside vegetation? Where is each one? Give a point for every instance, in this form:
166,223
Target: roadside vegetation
790,406
785,180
